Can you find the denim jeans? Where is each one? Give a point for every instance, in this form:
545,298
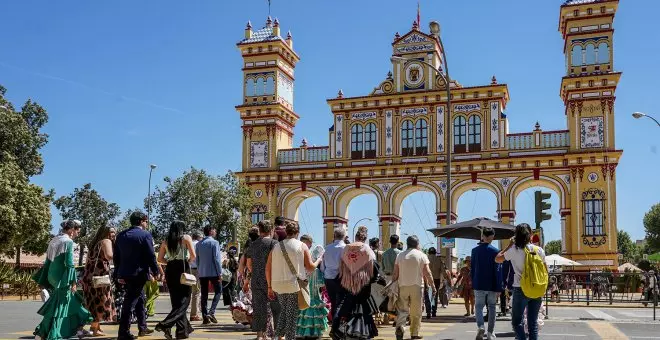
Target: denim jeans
520,302
482,298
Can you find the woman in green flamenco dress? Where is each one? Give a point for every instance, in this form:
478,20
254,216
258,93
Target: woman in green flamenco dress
63,313
313,321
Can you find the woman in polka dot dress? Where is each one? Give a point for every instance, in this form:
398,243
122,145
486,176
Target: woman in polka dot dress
99,301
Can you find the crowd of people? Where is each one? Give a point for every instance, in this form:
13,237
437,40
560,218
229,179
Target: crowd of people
293,289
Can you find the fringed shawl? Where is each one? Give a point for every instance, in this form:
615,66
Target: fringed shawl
357,267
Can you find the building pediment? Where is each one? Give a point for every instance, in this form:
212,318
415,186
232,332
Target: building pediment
414,41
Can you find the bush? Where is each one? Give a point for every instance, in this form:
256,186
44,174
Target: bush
17,281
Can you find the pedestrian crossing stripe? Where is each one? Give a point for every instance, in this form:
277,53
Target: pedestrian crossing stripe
226,328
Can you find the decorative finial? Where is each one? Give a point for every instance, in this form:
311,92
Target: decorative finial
415,26
304,143
269,21
537,127
397,36
493,80
389,74
249,25
340,94
276,23
288,35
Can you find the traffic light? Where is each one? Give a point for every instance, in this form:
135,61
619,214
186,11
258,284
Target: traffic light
540,207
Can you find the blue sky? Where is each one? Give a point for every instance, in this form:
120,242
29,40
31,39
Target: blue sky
131,83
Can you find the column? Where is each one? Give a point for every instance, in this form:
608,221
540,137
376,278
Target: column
566,232
506,217
329,225
447,253
388,226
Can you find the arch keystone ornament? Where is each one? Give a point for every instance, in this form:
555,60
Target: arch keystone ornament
393,141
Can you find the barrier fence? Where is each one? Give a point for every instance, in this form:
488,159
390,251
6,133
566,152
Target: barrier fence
611,288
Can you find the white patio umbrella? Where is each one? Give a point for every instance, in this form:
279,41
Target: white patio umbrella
556,260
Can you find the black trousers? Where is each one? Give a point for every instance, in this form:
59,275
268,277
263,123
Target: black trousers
228,291
134,299
179,298
335,293
217,292
503,302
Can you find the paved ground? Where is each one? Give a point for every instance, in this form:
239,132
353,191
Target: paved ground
17,320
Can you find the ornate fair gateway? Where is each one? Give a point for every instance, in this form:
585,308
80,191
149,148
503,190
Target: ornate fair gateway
391,142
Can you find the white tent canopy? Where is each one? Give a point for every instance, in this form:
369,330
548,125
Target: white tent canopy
556,260
629,266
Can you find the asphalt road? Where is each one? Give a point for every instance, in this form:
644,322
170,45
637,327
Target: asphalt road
18,319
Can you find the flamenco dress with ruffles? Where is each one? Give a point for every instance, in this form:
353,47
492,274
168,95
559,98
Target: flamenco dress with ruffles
63,313
313,322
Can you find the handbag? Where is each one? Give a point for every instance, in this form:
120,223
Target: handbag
100,281
187,279
303,293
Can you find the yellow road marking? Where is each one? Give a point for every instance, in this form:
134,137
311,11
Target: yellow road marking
607,331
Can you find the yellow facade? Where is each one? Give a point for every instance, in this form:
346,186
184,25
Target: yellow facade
391,142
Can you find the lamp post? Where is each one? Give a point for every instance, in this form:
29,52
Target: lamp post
151,170
358,221
435,31
639,115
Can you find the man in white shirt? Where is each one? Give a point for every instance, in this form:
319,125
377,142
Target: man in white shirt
411,270
330,268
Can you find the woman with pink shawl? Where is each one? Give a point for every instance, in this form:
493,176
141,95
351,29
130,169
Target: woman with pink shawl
358,270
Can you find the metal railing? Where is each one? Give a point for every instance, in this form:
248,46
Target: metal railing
549,139
611,288
305,154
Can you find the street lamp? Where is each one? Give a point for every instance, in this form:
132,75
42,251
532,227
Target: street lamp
639,115
435,31
151,170
360,220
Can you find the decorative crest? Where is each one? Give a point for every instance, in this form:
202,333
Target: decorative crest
493,80
340,94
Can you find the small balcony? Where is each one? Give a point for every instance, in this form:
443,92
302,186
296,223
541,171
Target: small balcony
303,155
548,139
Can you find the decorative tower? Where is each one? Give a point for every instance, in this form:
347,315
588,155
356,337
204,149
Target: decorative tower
588,90
590,82
267,109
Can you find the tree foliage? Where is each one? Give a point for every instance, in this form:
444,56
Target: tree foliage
198,199
626,246
24,207
652,227
553,247
88,206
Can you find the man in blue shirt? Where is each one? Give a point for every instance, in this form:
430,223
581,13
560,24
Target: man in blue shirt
486,281
209,266
330,268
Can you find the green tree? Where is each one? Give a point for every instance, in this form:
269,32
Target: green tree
24,207
652,227
24,213
198,199
88,206
626,246
553,247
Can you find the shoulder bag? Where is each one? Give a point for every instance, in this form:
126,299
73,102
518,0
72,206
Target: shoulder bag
99,281
303,293
187,279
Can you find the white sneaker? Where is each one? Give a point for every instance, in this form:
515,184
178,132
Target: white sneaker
491,336
480,334
36,337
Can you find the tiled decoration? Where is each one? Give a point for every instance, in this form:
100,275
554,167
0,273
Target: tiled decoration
259,154
592,133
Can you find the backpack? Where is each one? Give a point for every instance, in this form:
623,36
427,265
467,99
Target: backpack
534,280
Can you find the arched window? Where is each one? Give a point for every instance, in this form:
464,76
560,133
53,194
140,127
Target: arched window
576,55
603,53
356,141
474,133
421,137
370,141
590,54
270,85
407,138
260,86
459,134
249,87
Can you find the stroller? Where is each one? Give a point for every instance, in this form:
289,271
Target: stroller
241,308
